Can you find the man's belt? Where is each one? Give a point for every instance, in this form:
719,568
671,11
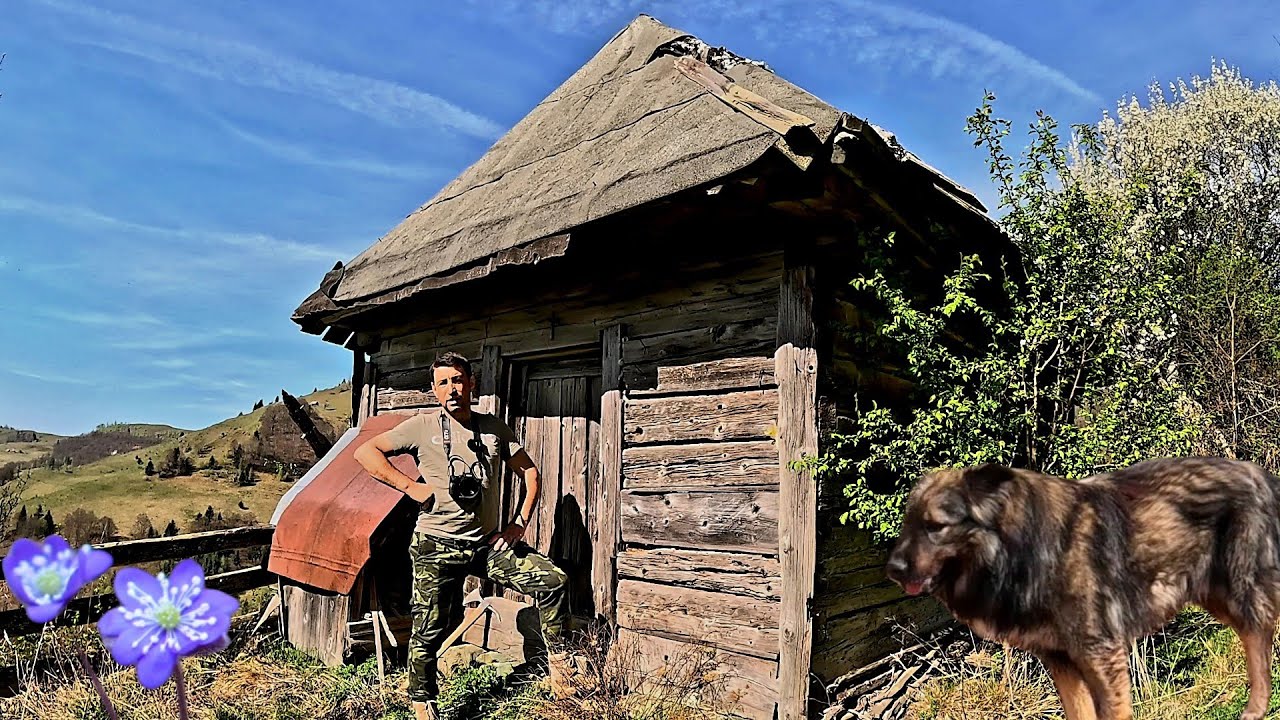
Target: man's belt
455,544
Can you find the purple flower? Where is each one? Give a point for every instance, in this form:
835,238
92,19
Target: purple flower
45,576
162,619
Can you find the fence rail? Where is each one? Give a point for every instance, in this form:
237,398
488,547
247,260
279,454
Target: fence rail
128,552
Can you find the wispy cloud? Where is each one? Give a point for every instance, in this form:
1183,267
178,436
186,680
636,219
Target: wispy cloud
174,340
863,34
306,156
50,377
236,62
89,219
172,363
90,317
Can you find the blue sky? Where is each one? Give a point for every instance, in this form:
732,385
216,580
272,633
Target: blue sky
175,177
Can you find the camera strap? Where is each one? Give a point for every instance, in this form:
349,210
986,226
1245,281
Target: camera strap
448,445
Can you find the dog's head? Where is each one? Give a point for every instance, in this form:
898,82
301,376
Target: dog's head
948,524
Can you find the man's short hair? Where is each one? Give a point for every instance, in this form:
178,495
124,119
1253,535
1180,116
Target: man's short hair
452,359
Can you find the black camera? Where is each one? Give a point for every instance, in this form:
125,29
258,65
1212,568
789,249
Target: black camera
466,487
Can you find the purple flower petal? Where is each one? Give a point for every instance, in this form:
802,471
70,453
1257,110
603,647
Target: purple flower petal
186,583
156,666
136,588
56,544
214,647
137,641
112,623
40,614
93,564
23,550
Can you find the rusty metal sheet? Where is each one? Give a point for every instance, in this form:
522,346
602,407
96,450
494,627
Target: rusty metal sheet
325,525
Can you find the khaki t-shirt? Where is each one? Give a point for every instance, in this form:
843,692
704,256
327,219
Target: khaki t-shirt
446,516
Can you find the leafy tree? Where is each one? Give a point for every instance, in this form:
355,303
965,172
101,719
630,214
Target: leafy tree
1143,321
142,527
150,469
171,529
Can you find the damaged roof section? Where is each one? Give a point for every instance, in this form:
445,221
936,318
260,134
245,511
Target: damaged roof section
655,112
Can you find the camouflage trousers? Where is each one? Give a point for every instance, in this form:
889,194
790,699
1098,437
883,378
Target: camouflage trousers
439,572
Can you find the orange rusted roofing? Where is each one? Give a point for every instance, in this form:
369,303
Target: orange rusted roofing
325,523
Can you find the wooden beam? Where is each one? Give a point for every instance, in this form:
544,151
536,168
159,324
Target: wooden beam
130,552
758,108
796,372
84,610
607,499
320,445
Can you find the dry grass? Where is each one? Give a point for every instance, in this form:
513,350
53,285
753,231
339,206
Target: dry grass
1194,670
263,678
611,681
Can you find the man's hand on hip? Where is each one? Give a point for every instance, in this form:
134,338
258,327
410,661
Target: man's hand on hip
508,538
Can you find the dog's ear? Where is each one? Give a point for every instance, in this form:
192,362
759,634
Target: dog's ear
987,487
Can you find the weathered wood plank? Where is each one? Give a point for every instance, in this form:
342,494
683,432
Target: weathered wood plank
606,505
487,372
357,385
703,466
317,623
735,573
84,610
746,521
854,640
742,684
732,622
634,296
756,107
643,357
741,415
797,366
727,374
130,552
402,399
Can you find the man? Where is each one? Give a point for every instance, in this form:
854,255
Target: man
460,454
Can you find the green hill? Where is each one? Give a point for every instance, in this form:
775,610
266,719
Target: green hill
116,485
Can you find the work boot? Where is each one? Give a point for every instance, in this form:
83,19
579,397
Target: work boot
424,711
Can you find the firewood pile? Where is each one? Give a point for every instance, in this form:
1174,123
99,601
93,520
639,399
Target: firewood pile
885,689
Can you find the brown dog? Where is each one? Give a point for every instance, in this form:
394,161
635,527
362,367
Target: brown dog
1074,571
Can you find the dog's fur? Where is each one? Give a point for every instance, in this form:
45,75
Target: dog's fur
1073,571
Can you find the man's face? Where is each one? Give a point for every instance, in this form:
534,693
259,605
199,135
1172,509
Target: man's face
452,387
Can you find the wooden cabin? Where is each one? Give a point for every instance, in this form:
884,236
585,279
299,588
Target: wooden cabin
649,272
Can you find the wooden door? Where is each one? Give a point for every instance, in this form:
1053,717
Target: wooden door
558,419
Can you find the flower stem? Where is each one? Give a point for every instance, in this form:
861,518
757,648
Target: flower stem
182,691
107,707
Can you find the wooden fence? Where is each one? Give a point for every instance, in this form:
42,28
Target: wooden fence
84,610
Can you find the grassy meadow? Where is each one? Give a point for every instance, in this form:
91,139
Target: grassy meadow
117,486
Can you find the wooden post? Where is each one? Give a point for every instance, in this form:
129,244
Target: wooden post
369,393
796,366
607,496
357,383
487,398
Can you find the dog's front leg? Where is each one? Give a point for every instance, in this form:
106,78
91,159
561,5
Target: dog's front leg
1106,672
1073,691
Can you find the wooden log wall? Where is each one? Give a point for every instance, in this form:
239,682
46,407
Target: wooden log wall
858,614
696,546
697,564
